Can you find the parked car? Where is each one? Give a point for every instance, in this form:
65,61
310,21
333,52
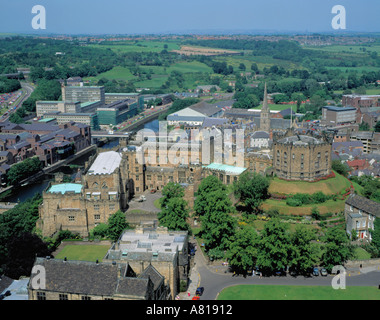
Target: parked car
323,272
257,271
199,291
315,271
153,191
280,273
141,199
196,298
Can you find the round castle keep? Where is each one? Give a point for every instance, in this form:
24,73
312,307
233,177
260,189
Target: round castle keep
300,156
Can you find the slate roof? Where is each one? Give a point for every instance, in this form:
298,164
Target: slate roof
90,278
364,204
151,273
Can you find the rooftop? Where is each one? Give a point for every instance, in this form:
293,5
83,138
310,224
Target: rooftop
152,241
338,109
65,187
364,204
226,168
105,163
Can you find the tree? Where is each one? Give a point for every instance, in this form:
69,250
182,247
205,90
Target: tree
22,170
218,225
377,127
22,251
252,189
242,252
337,249
175,214
207,185
116,225
376,234
304,254
170,191
101,230
274,247
339,167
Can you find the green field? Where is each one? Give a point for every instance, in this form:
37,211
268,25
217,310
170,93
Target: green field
269,292
352,49
83,252
116,73
137,46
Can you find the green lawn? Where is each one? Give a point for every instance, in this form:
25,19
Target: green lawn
283,208
83,252
361,254
268,292
338,184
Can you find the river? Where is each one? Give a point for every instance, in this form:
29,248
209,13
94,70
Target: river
25,192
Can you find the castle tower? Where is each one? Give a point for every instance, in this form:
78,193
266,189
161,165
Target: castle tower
264,116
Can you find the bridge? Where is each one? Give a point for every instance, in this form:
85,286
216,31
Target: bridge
128,130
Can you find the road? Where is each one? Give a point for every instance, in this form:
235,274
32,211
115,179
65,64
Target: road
28,91
214,280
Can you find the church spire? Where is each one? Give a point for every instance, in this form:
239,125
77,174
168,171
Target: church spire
265,102
264,116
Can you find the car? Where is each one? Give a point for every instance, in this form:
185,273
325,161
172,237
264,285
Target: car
315,271
323,272
199,291
280,273
153,191
257,271
196,298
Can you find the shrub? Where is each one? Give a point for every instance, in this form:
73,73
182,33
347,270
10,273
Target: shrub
319,197
293,202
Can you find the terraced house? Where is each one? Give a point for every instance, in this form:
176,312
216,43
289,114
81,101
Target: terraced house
360,214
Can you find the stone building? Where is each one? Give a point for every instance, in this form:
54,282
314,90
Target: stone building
360,214
166,251
81,206
85,280
301,157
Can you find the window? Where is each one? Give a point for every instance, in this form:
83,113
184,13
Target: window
159,178
112,207
63,296
41,295
137,177
96,207
86,298
97,216
301,156
71,218
148,177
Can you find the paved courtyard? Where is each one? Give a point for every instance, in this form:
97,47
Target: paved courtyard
148,204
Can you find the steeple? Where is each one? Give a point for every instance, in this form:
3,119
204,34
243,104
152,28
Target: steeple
264,116
265,102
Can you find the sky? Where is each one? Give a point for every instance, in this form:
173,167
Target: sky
187,16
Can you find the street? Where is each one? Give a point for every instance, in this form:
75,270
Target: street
214,280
